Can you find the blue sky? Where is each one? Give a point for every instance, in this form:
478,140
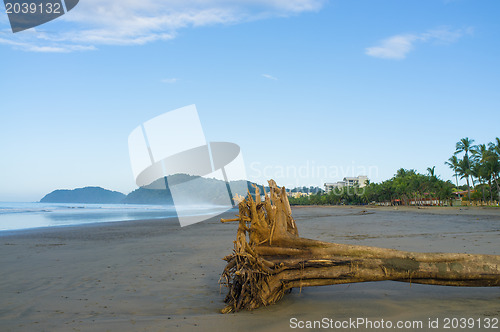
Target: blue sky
302,86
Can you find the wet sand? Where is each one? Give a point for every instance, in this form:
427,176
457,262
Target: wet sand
153,275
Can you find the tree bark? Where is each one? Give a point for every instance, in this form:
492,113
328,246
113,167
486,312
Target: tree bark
468,190
498,189
491,192
270,258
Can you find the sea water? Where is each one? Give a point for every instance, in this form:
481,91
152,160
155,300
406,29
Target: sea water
16,216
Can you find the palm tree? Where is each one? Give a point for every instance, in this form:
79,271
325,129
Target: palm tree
453,164
494,163
464,170
491,166
432,184
495,147
479,172
479,167
496,172
431,171
466,145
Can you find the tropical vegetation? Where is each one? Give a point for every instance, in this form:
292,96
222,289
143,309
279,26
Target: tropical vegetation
478,165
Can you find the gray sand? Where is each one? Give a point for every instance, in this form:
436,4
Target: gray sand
155,276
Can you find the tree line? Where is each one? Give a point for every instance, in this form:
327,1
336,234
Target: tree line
479,165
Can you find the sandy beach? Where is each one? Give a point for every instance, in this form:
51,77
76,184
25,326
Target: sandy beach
153,275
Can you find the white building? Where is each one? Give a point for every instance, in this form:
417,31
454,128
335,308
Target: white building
347,182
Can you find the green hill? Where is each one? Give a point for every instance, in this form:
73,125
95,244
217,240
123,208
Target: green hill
195,188
89,195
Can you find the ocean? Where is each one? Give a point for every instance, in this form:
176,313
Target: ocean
17,216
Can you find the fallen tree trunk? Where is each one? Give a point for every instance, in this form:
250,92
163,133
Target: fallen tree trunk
270,258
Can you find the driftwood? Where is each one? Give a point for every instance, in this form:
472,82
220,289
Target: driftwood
269,259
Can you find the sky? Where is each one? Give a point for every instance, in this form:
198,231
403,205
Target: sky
310,90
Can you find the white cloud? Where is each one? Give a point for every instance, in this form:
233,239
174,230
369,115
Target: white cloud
32,47
397,47
169,80
393,48
269,77
136,22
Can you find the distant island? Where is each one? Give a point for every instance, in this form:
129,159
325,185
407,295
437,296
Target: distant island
146,195
88,195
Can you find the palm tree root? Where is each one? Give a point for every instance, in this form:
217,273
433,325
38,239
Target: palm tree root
269,259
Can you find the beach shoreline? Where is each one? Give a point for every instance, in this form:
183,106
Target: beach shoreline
153,275
418,209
